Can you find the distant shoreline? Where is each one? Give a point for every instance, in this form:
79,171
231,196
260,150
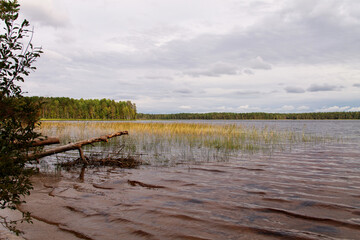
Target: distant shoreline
228,116
251,116
66,109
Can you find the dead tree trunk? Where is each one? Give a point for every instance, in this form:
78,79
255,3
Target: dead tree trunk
41,141
74,146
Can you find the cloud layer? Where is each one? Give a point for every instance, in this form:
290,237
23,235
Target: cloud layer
216,55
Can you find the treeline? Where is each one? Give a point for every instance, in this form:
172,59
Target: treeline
252,116
106,109
69,108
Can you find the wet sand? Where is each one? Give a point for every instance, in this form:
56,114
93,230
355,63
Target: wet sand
304,194
7,235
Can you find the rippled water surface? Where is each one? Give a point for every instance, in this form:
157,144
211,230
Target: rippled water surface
310,192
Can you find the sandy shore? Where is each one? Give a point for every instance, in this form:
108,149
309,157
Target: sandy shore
5,234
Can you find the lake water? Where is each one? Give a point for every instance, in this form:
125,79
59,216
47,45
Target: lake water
311,191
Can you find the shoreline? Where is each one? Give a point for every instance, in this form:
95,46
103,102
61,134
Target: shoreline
170,120
6,234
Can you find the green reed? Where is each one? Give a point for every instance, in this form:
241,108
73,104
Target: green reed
173,143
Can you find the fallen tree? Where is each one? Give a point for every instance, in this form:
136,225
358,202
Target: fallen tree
42,141
74,146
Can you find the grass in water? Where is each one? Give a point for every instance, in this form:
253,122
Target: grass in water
172,143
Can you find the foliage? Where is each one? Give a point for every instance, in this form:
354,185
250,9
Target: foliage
255,115
69,108
18,115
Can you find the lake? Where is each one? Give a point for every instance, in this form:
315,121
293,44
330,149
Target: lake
303,183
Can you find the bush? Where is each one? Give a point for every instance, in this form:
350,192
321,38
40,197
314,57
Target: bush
18,115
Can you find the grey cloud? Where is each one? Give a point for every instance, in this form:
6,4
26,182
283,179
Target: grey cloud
244,93
259,63
248,71
288,36
158,78
183,91
215,70
44,13
294,90
112,60
303,32
342,13
323,88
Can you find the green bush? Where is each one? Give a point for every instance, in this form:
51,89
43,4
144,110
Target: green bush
18,115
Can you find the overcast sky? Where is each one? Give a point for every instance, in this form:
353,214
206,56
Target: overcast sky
170,56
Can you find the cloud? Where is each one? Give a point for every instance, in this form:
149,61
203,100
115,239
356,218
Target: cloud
302,108
246,92
334,109
323,88
313,88
224,109
287,108
148,53
247,108
248,71
185,107
216,70
297,33
56,57
287,35
156,77
339,109
183,91
44,12
294,90
259,63
354,109
244,107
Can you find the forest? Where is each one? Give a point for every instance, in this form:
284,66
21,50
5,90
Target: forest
106,109
69,108
255,115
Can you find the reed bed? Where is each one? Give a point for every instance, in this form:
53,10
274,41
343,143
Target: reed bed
173,142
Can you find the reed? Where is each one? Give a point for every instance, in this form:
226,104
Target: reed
173,142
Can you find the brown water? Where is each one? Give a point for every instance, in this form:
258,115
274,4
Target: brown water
312,192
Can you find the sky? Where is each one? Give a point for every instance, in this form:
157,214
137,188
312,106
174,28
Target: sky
172,56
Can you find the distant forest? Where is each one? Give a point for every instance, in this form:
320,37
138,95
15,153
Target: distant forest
105,109
255,115
69,108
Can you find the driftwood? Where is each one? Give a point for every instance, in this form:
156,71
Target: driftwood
42,141
74,146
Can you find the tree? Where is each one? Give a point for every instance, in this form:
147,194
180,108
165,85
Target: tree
18,115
